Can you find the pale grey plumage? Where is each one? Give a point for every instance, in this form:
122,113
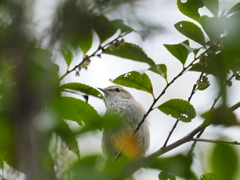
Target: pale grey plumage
121,103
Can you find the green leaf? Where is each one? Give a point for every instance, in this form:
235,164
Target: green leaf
232,40
68,56
104,28
198,68
209,176
203,86
86,168
178,50
130,51
77,110
191,31
8,148
178,165
196,51
85,42
224,161
213,26
83,88
160,69
221,116
190,8
135,80
212,5
179,109
212,67
235,8
120,24
68,137
166,176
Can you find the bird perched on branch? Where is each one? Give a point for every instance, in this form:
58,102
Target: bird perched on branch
125,114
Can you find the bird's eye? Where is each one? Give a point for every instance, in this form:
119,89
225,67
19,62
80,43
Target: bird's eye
117,89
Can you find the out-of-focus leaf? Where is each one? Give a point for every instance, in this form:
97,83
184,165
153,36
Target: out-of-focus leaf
8,148
179,109
120,24
190,8
234,9
1,163
68,137
160,69
131,52
217,66
209,176
75,26
178,165
221,116
178,50
108,121
47,162
68,56
77,110
85,41
212,5
191,31
104,28
224,161
213,26
83,88
166,176
88,168
232,41
135,80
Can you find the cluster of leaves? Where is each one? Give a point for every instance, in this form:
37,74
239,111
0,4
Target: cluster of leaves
32,108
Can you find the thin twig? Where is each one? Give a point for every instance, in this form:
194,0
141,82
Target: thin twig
235,106
219,95
176,123
194,88
170,133
214,103
195,142
93,54
216,141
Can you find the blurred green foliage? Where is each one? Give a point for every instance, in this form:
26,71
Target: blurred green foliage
35,136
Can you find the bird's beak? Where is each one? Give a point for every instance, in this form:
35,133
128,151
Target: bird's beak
103,90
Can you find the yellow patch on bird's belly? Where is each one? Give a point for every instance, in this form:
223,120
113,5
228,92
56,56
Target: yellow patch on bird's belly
128,145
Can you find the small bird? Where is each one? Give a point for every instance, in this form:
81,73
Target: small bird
120,103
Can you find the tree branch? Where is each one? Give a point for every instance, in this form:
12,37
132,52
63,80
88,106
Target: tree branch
144,161
216,141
